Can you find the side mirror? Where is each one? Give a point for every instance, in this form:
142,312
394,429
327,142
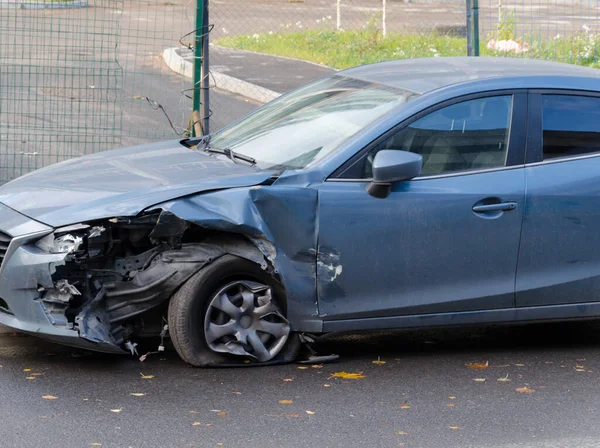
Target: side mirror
390,166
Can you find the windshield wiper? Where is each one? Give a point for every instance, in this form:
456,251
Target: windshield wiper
231,154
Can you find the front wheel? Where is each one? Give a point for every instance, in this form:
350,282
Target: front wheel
231,313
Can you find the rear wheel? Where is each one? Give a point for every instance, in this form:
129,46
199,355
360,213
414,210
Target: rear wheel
231,313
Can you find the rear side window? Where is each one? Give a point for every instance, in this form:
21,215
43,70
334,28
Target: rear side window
571,125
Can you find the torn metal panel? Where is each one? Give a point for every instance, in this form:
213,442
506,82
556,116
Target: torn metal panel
281,222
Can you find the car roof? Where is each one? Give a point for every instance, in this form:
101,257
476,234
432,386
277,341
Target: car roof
427,74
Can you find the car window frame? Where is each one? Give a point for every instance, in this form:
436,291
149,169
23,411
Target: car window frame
516,141
535,126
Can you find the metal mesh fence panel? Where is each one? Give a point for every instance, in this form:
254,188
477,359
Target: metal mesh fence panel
560,30
81,76
332,33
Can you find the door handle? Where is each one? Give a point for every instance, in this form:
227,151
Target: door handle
501,207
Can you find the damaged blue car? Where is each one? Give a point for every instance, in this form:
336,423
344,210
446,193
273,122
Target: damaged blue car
397,195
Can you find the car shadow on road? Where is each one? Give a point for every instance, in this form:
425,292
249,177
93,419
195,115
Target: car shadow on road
472,341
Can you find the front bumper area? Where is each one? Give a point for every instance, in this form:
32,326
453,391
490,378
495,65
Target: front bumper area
24,270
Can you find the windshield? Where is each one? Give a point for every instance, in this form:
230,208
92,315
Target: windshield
301,128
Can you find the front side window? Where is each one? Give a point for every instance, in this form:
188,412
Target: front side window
306,125
571,125
471,135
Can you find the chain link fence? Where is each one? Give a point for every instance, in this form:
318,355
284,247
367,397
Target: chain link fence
81,76
559,30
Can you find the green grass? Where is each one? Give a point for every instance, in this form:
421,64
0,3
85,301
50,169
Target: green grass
346,49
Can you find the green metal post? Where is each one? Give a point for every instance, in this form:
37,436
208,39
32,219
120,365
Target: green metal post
475,18
473,27
197,91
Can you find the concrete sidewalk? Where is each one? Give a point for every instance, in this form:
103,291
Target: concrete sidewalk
257,76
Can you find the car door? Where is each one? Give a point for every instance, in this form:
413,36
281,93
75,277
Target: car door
559,260
446,241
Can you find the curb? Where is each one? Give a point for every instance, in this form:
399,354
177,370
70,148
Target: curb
43,5
185,68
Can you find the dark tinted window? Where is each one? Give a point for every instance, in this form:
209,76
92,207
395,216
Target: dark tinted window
471,135
571,125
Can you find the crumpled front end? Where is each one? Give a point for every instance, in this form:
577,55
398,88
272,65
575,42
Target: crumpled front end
90,285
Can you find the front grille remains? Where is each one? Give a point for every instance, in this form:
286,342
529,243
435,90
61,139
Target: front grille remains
4,242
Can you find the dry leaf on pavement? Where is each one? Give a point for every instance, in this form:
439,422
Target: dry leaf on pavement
137,394
30,377
116,411
222,414
454,427
404,406
310,412
49,397
451,405
379,362
479,380
525,390
285,401
95,444
146,377
504,379
302,367
478,365
287,380
196,424
452,397
26,370
401,433
348,376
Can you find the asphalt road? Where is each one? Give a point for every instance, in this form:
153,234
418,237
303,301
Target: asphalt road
422,396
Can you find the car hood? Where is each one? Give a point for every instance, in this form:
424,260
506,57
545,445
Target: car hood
122,182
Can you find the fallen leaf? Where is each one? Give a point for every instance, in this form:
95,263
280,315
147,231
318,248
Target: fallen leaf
285,401
95,444
478,365
236,393
193,412
579,370
146,377
454,427
36,374
310,412
505,379
520,365
379,362
86,399
501,366
287,380
451,405
479,380
196,424
452,397
30,377
348,376
326,385
580,367
209,424
404,406
116,411
137,394
401,433
548,362
302,367
222,414
26,370
49,397
317,366
525,390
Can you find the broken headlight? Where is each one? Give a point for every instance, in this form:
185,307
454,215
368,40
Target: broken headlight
67,243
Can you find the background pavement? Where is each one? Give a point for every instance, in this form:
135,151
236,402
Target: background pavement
422,396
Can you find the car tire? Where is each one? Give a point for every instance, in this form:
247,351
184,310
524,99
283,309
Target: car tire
189,316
